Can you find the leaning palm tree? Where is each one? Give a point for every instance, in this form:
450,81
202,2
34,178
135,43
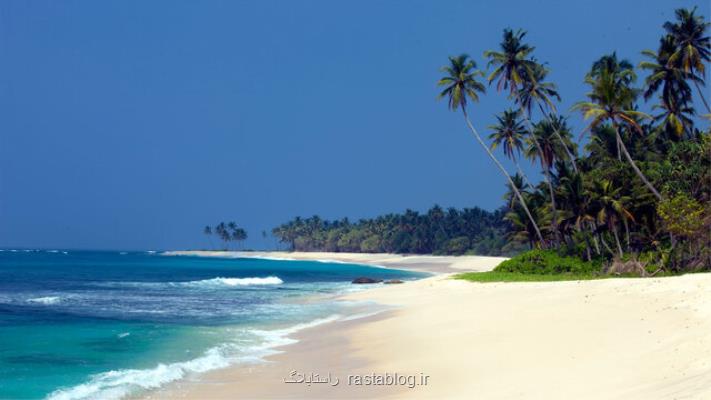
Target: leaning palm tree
611,99
693,48
460,85
508,132
513,67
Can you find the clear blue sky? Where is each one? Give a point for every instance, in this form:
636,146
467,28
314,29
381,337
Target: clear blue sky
132,124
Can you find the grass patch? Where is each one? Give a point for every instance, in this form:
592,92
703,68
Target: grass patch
546,266
496,276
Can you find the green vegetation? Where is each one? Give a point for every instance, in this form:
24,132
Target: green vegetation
549,266
547,262
636,197
494,276
537,266
438,231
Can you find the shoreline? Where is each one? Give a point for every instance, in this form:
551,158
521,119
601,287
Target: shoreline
646,338
420,263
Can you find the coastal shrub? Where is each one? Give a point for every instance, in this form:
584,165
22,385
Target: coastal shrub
547,262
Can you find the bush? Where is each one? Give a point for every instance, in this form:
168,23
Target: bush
547,262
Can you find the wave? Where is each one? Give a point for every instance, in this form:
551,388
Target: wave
45,300
243,254
117,384
214,283
221,282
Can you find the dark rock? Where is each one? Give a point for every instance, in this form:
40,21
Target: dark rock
363,280
393,281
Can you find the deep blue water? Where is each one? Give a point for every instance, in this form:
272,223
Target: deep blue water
80,324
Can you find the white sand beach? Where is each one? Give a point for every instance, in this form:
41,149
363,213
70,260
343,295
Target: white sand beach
603,339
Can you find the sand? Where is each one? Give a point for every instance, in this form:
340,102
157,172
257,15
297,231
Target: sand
424,263
605,339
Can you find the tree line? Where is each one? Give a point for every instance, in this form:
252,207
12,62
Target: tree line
438,231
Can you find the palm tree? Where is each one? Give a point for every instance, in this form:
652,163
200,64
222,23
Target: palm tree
523,230
550,141
510,195
675,91
536,90
513,65
508,133
222,232
693,48
461,84
611,208
239,235
513,69
675,118
576,206
612,99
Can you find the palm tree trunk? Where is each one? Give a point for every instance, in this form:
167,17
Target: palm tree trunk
592,233
701,94
506,174
587,240
634,165
607,246
546,173
520,172
560,138
617,240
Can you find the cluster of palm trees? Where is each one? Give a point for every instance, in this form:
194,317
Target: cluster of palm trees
586,201
227,233
441,231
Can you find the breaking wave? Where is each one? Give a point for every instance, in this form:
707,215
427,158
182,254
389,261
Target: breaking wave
116,384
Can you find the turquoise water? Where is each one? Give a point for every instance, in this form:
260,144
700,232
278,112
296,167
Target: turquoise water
79,324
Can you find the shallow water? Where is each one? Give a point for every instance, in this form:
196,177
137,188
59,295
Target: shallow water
79,324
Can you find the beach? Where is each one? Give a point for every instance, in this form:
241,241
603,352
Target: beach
602,339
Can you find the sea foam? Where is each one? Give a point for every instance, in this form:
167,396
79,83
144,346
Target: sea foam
221,282
117,384
45,300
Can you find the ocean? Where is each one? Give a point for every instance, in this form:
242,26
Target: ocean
109,324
